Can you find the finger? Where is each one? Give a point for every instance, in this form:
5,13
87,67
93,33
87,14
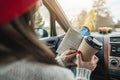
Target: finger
71,64
94,67
94,59
70,51
79,57
71,55
79,60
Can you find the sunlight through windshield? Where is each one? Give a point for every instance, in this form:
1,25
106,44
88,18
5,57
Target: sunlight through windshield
107,12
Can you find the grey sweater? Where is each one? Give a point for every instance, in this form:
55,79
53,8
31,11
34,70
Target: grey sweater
24,70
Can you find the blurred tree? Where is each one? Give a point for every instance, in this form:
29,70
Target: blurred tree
117,25
39,23
79,20
103,17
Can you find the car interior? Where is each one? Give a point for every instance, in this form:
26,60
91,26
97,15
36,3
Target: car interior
108,67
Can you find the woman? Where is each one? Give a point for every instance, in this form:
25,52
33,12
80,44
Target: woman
22,55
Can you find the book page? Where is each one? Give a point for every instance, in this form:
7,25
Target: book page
72,39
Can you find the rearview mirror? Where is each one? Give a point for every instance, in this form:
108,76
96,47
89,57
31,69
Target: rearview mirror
42,32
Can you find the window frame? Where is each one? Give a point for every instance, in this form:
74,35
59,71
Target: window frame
54,16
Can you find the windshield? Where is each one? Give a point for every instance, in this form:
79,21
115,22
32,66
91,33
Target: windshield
106,12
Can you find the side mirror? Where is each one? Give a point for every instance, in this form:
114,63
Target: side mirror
42,32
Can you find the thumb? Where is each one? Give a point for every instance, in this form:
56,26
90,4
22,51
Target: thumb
71,55
79,60
94,59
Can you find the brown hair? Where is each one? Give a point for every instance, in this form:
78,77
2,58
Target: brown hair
18,41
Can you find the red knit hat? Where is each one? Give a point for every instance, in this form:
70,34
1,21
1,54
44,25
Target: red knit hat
10,9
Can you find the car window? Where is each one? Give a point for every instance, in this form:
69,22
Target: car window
106,11
42,21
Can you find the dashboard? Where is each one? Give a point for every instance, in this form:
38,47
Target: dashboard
108,67
111,55
114,52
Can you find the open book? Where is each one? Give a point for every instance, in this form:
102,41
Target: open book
72,39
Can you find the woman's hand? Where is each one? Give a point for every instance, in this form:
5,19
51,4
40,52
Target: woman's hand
89,65
68,56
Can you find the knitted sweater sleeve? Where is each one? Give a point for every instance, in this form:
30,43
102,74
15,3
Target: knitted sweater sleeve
50,72
83,74
31,71
59,60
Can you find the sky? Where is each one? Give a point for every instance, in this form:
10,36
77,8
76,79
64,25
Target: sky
74,7
114,8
